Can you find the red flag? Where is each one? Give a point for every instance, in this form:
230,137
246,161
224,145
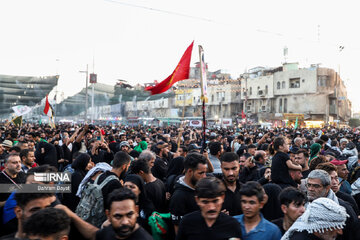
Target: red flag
243,114
48,110
181,72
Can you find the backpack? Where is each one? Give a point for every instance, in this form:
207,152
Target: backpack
91,205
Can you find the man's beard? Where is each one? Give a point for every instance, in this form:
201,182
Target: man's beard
122,175
14,171
315,196
231,180
328,236
164,155
124,231
193,180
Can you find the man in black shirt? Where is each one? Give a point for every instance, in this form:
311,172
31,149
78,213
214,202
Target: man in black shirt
113,145
296,176
209,222
183,201
100,152
120,165
154,188
230,171
48,223
122,215
302,158
292,205
12,175
26,205
161,164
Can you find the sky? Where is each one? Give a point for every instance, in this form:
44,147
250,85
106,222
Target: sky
142,41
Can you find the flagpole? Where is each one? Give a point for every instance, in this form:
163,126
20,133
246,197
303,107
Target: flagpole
183,120
203,93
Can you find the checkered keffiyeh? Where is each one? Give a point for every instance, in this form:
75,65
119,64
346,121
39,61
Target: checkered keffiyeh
321,215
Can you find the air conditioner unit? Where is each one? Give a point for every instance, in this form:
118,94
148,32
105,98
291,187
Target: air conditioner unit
261,93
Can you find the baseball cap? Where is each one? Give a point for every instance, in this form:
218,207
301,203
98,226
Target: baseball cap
7,143
161,145
337,162
294,150
124,143
193,147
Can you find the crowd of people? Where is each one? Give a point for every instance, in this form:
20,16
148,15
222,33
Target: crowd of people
167,183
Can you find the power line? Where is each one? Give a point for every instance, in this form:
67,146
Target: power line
161,10
258,30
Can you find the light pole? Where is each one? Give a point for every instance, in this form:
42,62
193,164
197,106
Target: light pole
56,91
86,91
245,76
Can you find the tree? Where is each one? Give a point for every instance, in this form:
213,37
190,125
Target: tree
354,122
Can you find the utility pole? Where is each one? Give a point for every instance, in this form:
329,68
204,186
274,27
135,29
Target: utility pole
245,76
56,90
93,80
86,91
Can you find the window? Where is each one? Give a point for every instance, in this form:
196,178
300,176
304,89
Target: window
278,85
285,105
324,81
222,96
212,97
250,91
294,82
248,107
266,89
283,84
280,105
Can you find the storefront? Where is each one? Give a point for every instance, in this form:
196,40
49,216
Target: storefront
291,118
314,124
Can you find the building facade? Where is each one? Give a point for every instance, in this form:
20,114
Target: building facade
313,95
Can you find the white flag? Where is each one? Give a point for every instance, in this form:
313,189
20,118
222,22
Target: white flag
21,110
203,78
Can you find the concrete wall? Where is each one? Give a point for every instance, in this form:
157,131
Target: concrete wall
308,81
305,103
258,83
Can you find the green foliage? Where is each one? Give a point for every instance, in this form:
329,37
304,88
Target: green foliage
354,122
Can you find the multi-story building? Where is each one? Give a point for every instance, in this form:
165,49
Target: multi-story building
223,98
314,95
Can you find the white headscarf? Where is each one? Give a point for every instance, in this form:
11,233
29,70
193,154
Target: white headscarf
100,167
321,215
